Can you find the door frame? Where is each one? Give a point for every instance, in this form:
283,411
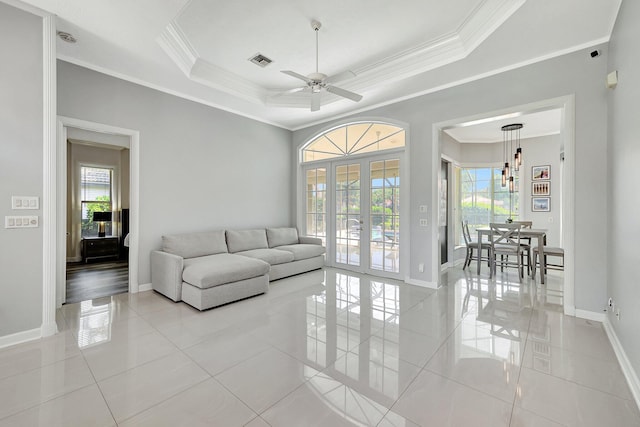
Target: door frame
61,183
365,201
405,189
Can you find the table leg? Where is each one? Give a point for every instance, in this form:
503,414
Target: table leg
542,258
479,254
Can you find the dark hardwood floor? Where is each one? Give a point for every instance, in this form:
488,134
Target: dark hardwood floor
96,280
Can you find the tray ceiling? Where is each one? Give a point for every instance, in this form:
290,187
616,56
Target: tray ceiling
199,49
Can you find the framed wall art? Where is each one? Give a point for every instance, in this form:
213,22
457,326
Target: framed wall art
541,204
540,188
540,173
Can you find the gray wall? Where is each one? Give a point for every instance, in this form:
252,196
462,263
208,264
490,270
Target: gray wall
576,73
623,201
200,168
21,122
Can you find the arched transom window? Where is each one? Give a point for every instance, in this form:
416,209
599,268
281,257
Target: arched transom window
355,138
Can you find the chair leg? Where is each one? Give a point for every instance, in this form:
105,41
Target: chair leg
467,260
535,262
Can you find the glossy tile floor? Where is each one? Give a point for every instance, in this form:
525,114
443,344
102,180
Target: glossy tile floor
328,348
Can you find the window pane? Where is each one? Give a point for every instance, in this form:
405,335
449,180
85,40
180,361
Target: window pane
95,196
483,199
356,138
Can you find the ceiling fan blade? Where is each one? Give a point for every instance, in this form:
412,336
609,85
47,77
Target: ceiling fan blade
344,93
340,77
296,75
290,91
315,101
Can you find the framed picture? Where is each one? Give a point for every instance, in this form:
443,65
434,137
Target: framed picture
541,204
540,173
540,188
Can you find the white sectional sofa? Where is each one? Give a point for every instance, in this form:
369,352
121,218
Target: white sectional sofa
212,268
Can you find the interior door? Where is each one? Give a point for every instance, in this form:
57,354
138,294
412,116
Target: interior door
367,215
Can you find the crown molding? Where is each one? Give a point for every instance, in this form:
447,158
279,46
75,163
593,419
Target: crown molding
448,48
178,47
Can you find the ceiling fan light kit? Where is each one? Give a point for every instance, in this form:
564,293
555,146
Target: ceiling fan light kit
317,82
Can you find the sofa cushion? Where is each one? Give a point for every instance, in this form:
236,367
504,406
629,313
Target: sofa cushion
282,236
303,251
244,240
193,245
272,256
214,270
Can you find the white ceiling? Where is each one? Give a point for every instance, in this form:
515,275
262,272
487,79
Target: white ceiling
199,49
535,124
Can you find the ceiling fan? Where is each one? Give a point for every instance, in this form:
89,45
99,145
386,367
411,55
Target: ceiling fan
317,82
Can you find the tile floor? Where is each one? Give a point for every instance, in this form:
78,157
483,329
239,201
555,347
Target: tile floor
328,348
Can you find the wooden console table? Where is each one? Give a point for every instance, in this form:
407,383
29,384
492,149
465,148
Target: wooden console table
99,248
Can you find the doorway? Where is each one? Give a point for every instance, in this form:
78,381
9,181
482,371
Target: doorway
101,134
367,215
97,216
351,186
560,222
443,220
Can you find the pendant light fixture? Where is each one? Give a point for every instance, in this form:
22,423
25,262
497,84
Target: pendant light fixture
511,137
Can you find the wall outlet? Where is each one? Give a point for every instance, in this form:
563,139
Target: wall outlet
421,267
618,314
423,209
424,223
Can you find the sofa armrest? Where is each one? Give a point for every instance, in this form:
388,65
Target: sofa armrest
310,240
166,274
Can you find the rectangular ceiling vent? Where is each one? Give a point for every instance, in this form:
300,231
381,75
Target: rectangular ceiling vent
260,59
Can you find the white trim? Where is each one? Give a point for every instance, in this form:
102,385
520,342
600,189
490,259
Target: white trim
431,285
627,368
405,188
590,315
459,82
49,187
20,337
28,8
145,287
160,88
134,192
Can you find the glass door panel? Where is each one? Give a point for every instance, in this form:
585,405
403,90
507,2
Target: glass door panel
384,216
348,224
316,198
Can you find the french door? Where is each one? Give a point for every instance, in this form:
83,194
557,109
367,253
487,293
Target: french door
365,215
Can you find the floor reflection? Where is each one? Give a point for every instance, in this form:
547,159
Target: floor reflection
94,322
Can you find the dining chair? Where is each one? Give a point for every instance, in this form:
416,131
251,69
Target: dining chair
547,251
526,243
505,241
471,245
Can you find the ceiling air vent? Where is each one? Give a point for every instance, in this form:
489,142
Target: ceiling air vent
260,59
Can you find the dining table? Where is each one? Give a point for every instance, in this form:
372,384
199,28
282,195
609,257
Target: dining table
540,234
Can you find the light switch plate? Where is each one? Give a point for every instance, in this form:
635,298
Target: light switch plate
424,223
25,202
423,209
21,222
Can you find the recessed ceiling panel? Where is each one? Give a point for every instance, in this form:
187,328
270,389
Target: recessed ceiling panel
354,33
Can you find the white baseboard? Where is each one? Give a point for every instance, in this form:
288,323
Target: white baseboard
421,283
144,287
20,337
590,315
627,369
